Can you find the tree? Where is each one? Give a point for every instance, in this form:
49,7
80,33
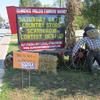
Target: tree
1,19
30,3
59,3
80,21
46,5
72,8
91,11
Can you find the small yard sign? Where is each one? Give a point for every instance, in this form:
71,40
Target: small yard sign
25,60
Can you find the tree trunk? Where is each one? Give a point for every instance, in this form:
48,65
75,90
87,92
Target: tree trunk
70,39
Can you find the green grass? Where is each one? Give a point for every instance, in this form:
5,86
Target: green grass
13,46
14,36
67,85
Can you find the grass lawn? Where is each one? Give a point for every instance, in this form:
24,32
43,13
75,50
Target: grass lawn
67,85
13,46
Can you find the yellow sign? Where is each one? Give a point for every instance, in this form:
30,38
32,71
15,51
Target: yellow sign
25,60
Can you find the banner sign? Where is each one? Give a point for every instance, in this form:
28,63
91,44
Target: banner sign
25,60
40,10
41,28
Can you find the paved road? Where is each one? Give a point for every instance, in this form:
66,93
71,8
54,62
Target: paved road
3,51
5,31
4,41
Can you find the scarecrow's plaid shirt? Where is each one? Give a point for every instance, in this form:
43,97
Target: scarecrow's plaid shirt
91,43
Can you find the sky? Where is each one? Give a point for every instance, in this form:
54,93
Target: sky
4,3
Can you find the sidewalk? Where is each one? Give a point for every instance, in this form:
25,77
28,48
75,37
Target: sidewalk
4,44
